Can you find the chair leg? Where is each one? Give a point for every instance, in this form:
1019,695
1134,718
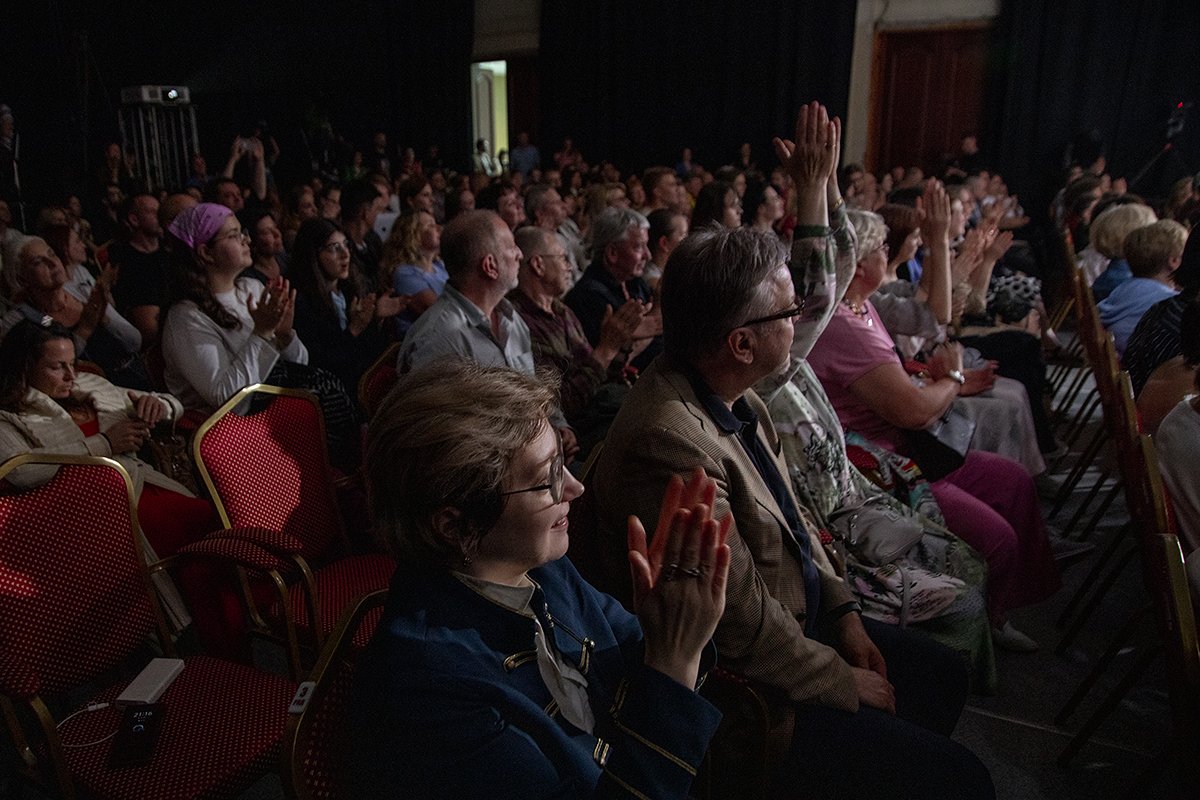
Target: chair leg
1086,612
1145,658
1117,486
1082,508
1077,472
1079,423
1093,575
1072,392
1102,664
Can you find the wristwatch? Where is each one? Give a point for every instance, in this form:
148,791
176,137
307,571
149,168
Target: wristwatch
957,376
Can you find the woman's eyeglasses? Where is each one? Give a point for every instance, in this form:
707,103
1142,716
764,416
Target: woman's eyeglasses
554,478
336,247
243,235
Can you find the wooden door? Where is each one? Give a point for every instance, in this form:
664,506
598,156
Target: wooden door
927,91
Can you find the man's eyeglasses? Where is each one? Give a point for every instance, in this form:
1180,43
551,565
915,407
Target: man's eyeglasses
555,477
791,312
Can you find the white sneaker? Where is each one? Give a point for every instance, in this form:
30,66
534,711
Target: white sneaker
1010,639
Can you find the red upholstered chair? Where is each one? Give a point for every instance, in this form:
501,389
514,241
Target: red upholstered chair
268,473
76,605
378,380
315,741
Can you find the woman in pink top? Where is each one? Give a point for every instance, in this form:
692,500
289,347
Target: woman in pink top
990,502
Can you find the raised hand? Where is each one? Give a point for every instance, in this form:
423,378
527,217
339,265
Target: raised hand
935,205
812,157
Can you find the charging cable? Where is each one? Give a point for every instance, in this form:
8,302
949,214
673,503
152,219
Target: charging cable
88,708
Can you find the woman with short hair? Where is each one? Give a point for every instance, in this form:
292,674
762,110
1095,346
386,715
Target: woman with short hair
496,670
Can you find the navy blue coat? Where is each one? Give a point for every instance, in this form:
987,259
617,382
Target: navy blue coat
448,700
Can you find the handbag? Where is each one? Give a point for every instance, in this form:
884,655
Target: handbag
894,562
941,447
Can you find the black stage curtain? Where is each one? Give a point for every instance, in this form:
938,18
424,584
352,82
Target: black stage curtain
400,66
1071,66
634,82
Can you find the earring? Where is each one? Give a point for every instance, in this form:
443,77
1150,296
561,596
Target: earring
466,560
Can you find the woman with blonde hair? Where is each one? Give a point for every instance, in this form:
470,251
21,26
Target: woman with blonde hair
411,265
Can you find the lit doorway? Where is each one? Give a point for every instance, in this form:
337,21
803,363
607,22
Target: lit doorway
489,105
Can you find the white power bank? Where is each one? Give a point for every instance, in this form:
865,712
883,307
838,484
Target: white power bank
151,682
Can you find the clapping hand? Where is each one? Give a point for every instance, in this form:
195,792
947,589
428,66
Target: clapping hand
813,157
934,210
679,581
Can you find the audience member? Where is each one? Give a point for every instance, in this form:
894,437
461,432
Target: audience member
544,208
667,229
470,493
525,157
503,198
718,204
989,501
1156,337
344,330
1109,233
789,623
266,246
46,292
614,277
592,383
411,266
1178,438
1153,252
142,284
361,203
47,405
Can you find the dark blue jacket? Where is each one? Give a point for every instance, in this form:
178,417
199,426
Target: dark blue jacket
448,700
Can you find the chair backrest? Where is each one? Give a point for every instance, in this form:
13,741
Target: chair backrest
262,456
1168,585
378,380
315,742
75,598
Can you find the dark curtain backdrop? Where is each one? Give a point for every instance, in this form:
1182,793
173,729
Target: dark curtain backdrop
401,66
1071,66
634,81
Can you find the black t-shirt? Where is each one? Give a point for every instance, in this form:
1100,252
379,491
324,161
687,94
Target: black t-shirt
143,279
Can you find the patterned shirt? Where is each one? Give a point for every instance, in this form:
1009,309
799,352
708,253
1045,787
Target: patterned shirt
1154,340
559,343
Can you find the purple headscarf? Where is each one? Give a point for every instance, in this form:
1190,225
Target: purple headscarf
199,224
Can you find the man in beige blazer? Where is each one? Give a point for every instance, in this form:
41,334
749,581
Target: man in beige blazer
730,309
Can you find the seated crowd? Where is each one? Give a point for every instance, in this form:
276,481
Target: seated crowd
765,334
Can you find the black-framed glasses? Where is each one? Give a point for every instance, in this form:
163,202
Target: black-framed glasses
791,312
337,247
555,477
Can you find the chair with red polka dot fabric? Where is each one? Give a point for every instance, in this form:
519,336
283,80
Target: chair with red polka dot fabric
76,607
314,745
263,457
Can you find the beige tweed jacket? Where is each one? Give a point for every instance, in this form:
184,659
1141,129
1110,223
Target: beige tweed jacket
662,431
